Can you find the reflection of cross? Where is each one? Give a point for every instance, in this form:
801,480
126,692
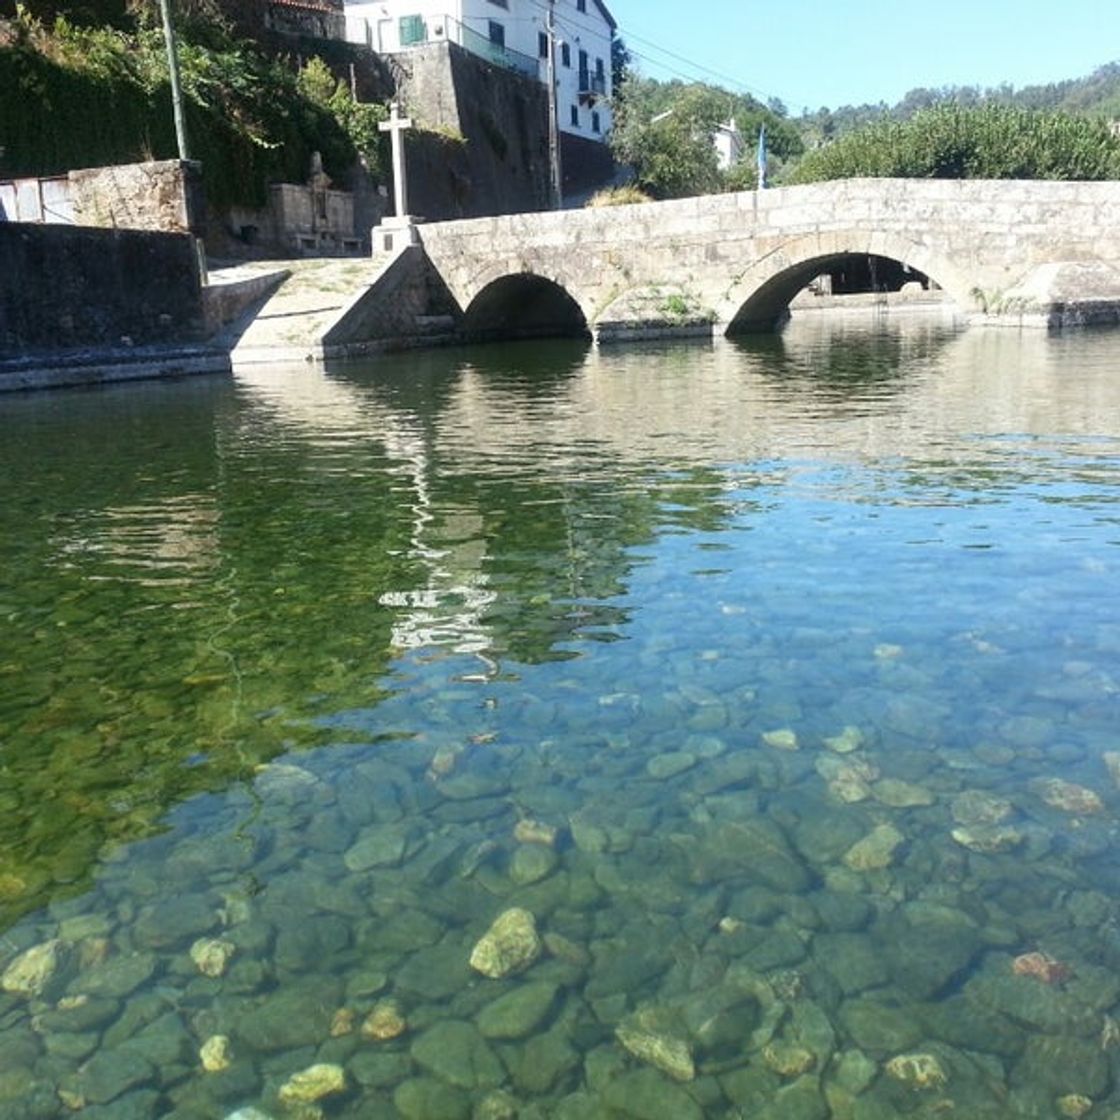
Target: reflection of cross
395,126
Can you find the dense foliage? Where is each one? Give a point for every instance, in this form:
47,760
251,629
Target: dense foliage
250,119
989,141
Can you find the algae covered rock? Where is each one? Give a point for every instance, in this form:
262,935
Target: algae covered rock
455,1052
313,1084
211,955
648,1035
518,1012
215,1054
920,1071
509,946
876,850
386,1021
33,969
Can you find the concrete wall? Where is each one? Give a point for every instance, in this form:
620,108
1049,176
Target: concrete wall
67,287
738,259
501,166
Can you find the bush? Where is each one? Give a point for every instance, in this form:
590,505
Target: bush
990,141
618,196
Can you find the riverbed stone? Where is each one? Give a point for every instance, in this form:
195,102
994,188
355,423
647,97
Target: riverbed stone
110,1073
30,972
119,976
211,955
324,1079
215,1054
175,921
456,1052
294,1016
385,1021
876,851
897,794
379,845
518,1012
650,1036
879,1028
662,767
538,1063
1059,1064
649,1095
979,807
853,960
531,863
425,1098
926,946
509,946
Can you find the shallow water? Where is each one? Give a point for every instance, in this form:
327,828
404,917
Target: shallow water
778,681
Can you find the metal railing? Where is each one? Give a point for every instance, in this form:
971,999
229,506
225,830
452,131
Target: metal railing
592,83
435,29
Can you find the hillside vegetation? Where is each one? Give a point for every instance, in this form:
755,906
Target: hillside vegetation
74,95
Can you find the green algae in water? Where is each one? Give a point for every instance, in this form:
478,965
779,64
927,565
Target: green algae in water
311,677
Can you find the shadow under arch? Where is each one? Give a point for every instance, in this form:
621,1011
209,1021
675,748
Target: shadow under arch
523,305
760,298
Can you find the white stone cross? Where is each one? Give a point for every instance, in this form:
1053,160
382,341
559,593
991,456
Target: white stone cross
395,126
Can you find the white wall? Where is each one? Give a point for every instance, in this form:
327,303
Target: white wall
377,23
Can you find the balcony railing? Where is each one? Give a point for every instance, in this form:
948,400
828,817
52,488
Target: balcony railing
592,83
417,31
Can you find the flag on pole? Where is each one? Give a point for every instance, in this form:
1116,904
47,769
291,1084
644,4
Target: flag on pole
762,157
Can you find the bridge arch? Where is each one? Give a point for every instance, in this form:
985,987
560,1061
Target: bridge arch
523,304
759,297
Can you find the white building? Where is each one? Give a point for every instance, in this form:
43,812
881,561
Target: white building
512,34
729,144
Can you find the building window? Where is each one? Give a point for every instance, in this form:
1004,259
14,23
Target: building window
584,76
500,3
596,125
497,33
566,55
581,5
412,30
542,44
574,115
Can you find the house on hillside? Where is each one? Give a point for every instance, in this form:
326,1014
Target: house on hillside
512,34
729,144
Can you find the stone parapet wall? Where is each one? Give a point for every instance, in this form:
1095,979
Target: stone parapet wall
162,195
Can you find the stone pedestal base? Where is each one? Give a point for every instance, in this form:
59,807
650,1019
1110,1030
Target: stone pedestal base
393,234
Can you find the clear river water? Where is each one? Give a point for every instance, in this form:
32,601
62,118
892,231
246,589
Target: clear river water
669,732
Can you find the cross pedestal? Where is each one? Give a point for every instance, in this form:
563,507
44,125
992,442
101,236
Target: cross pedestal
398,230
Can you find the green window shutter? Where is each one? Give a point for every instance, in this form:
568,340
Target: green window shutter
413,30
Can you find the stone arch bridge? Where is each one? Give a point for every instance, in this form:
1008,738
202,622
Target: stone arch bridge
1044,253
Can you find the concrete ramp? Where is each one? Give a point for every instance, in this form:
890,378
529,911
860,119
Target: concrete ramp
291,324
348,308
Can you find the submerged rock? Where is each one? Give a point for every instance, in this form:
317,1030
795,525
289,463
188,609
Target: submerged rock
510,945
313,1084
215,1053
898,794
978,807
529,831
787,1060
33,969
783,739
876,850
455,1052
664,766
849,779
1074,1105
850,739
987,839
518,1012
211,955
646,1036
1067,796
384,1022
920,1071
531,863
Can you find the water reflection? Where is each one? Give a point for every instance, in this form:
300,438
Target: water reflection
806,648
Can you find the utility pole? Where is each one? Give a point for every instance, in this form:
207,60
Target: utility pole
173,72
553,120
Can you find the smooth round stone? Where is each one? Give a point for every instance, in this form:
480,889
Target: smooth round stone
664,766
425,1098
117,977
538,1063
647,1094
898,794
531,863
517,1013
455,1052
177,921
879,1028
110,1073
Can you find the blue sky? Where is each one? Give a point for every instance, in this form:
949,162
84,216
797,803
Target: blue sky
835,52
